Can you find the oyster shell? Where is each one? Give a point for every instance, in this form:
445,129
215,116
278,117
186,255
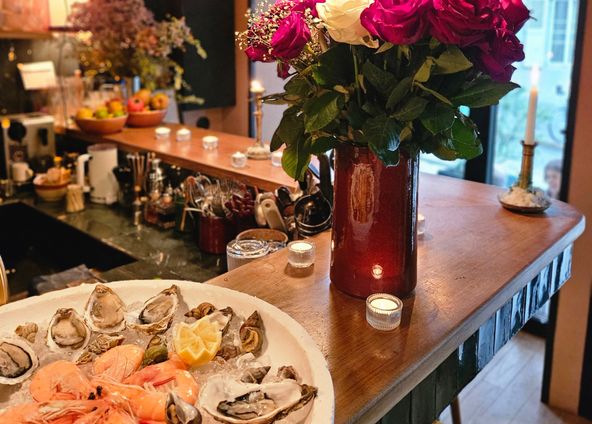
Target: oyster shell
231,401
180,412
252,334
27,331
254,375
67,331
104,342
18,361
158,312
105,311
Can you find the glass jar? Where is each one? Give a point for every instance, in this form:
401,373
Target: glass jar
240,252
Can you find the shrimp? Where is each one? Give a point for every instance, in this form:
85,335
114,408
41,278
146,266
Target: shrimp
60,380
58,412
119,362
147,390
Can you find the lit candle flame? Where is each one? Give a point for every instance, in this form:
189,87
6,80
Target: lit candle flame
535,75
256,87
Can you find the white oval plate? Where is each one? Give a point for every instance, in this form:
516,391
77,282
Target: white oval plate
288,342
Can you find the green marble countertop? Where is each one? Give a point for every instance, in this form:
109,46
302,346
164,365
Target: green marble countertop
159,253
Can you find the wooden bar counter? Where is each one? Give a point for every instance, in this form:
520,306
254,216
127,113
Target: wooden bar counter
482,273
191,154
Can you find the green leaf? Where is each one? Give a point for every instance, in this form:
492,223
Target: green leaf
424,71
298,86
290,129
411,109
335,67
320,111
355,115
452,60
323,144
295,160
382,135
372,108
464,139
483,92
433,93
381,80
400,91
385,47
437,118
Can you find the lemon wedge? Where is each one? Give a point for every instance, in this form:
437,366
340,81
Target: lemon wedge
197,343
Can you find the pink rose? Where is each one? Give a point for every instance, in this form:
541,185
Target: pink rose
397,21
290,37
283,70
515,14
258,53
497,55
463,22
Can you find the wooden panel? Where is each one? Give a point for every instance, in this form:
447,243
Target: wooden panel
473,260
191,155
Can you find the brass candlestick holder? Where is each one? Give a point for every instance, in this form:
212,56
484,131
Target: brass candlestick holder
522,197
259,150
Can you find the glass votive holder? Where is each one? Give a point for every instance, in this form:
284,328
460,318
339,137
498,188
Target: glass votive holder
383,311
183,134
210,142
276,158
421,224
240,252
301,254
162,133
239,160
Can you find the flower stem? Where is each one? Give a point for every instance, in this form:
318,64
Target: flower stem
356,80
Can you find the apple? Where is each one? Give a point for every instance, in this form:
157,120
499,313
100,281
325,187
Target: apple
159,101
84,113
144,94
114,105
135,104
101,113
118,113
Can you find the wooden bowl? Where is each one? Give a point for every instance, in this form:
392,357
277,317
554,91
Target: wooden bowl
101,126
151,118
50,192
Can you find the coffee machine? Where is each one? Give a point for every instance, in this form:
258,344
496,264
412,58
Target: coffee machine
26,137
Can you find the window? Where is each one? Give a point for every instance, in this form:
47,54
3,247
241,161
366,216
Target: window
559,33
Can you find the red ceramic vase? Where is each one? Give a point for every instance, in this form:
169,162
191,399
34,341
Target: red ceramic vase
374,237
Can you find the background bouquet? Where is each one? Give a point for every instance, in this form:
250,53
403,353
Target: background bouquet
389,74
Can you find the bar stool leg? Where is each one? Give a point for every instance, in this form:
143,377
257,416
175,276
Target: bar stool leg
455,411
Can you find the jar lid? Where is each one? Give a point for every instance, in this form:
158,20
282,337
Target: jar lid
247,248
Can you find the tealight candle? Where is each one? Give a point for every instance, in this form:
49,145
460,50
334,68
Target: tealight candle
276,158
210,142
239,160
421,224
257,87
383,311
162,133
183,134
301,254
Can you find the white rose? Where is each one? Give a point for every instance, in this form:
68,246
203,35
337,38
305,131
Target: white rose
342,20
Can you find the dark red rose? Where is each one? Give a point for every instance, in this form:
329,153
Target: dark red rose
283,70
397,21
515,14
258,53
290,37
463,22
496,55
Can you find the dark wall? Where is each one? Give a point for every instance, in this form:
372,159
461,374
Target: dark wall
212,22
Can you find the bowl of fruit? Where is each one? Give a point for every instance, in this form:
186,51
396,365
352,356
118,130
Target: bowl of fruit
107,119
146,109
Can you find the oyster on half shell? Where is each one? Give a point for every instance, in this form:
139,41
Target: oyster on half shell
105,311
231,401
18,361
158,312
67,331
